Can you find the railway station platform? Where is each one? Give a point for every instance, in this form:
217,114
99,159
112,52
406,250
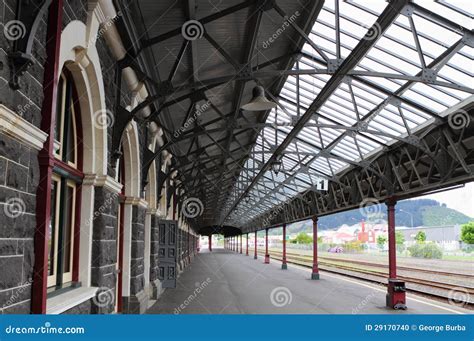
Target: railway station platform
224,282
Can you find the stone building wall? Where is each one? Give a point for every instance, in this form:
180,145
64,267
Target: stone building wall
19,181
138,250
104,244
154,256
19,172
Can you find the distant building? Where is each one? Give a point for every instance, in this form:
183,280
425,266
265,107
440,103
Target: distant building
446,236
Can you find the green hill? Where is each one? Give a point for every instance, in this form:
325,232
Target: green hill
440,215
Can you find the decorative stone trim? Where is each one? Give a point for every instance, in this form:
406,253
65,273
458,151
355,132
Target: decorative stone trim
160,214
103,181
167,158
131,201
81,57
63,302
97,10
17,127
136,202
152,211
157,289
143,203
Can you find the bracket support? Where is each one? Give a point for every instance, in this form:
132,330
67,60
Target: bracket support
22,32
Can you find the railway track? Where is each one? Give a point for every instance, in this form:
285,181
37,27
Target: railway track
337,266
374,264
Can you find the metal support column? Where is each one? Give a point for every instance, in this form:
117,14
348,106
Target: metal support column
283,260
240,244
247,244
210,243
267,255
255,246
396,288
392,245
315,272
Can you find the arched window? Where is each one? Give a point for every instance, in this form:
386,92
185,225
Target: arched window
65,188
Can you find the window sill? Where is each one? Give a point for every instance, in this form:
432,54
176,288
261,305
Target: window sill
63,302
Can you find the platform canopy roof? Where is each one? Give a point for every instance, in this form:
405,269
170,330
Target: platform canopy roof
374,102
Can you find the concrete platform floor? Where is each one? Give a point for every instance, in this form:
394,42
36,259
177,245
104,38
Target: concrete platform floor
224,282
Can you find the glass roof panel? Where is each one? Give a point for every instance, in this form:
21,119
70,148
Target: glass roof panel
379,91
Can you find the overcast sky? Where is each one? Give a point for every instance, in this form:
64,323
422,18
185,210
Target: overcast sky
461,199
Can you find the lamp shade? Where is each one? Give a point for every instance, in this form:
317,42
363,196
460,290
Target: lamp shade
259,102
